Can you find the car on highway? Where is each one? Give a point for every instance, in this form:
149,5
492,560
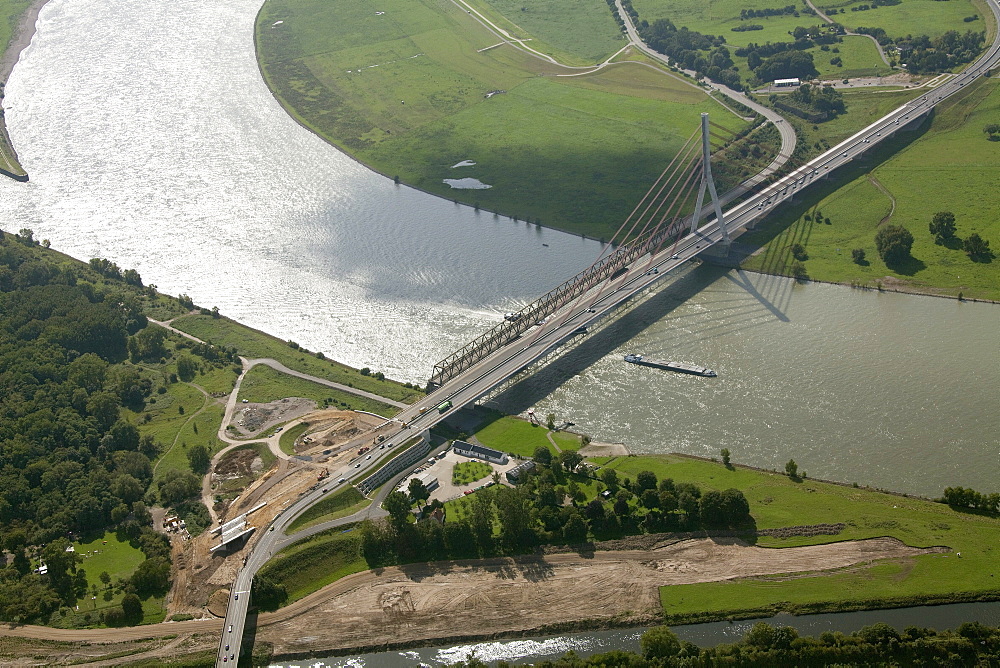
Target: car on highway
230,628
342,480
675,256
368,457
358,465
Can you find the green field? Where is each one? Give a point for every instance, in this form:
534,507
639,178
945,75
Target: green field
315,562
574,32
405,93
859,55
107,554
10,14
911,17
947,166
465,473
777,501
339,504
252,344
520,437
263,384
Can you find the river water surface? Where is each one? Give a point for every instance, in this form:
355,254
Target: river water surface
151,140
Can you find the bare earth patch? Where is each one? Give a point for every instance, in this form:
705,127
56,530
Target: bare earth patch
421,602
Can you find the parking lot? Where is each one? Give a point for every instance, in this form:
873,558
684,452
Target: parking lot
442,468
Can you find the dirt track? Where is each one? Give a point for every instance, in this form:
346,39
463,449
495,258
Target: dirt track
424,602
428,601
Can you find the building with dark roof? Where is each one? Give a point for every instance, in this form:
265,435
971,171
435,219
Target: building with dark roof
515,475
476,451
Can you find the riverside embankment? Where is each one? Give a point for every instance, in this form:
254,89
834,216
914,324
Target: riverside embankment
23,21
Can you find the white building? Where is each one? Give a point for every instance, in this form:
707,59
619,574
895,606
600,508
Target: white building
474,451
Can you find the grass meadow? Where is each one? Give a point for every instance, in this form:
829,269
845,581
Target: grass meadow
339,504
315,562
778,501
255,344
105,553
574,32
947,165
405,93
911,17
520,437
263,384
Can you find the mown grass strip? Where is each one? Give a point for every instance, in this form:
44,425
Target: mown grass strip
340,504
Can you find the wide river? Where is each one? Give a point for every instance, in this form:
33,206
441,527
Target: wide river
151,140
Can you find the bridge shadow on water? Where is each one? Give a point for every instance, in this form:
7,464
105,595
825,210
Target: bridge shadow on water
729,313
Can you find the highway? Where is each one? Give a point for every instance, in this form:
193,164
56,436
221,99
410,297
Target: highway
574,319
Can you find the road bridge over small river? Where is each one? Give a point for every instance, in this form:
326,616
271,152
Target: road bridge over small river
648,256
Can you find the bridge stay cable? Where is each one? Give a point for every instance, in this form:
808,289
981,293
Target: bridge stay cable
606,266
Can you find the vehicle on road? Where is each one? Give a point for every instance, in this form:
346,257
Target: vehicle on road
368,457
443,408
675,256
358,465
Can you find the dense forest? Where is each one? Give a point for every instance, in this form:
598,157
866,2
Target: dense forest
71,463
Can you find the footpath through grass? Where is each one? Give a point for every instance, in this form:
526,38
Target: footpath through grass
777,501
948,165
263,384
252,343
521,438
404,90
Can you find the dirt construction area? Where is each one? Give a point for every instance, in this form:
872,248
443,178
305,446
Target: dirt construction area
423,603
452,599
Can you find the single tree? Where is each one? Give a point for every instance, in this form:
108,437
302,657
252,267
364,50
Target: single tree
799,252
976,247
542,456
725,456
893,243
610,478
199,458
858,255
943,226
992,130
792,469
659,642
418,491
646,480
132,607
397,505
550,421
570,459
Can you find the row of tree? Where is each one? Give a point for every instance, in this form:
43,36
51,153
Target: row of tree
971,644
961,497
705,54
549,507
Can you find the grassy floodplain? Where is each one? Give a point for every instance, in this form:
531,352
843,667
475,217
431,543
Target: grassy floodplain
778,501
573,32
521,438
252,343
11,12
262,384
404,92
947,165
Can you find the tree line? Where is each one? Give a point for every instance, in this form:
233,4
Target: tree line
971,644
550,506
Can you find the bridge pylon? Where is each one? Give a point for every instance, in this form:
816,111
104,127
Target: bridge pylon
708,182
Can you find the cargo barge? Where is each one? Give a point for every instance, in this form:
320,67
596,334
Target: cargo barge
680,367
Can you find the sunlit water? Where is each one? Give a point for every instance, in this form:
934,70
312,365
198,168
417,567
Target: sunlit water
151,140
529,650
